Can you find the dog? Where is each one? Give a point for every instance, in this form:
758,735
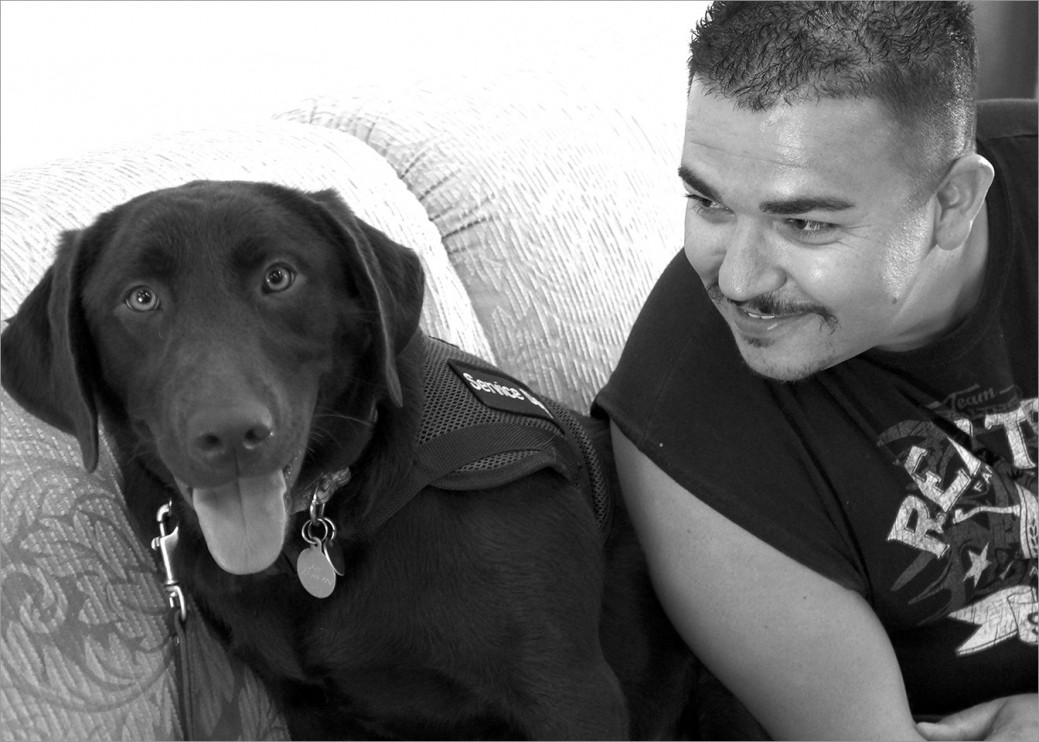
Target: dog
240,341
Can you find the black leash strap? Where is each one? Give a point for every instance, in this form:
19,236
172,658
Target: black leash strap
181,651
166,543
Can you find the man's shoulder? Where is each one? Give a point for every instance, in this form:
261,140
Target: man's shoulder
1005,118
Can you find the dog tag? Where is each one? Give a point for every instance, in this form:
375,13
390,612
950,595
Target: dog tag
315,572
334,554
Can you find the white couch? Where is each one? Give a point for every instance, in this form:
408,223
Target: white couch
542,211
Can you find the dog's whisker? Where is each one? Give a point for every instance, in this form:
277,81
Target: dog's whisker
321,417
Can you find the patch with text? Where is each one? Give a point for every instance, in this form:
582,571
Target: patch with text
499,392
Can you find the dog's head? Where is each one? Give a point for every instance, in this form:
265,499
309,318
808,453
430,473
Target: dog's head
225,328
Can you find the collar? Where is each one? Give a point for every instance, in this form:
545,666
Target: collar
320,492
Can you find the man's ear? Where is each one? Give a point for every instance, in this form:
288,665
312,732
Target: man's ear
961,195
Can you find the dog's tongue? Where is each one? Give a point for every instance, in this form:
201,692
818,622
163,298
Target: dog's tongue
244,522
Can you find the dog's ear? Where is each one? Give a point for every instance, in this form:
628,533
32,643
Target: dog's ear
390,279
47,352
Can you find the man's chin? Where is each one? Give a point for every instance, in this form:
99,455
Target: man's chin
769,362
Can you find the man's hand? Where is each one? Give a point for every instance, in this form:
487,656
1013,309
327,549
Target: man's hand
1012,718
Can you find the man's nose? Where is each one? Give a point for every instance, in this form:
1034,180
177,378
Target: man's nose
749,265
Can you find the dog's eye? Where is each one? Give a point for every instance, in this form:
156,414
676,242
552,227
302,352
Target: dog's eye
278,278
142,299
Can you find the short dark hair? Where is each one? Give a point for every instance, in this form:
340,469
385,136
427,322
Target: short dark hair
918,59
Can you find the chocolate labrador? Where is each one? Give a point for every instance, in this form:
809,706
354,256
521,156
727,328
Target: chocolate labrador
254,353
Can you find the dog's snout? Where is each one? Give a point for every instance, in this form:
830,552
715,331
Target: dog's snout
222,435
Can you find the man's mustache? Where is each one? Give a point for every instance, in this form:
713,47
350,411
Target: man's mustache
772,305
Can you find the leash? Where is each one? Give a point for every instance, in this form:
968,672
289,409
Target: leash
325,551
166,543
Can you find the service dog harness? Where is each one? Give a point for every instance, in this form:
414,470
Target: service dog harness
480,429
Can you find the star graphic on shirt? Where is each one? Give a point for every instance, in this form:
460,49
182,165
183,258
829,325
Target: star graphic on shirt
978,564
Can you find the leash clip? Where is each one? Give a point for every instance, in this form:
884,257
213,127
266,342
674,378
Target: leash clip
165,543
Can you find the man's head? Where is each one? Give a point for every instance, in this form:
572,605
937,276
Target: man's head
918,59
829,160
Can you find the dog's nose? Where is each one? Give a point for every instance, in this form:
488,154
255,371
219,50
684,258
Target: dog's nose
222,435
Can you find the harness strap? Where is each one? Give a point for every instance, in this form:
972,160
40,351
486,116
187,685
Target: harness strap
451,451
589,472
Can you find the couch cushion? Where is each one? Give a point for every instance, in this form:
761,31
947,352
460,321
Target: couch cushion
85,648
558,204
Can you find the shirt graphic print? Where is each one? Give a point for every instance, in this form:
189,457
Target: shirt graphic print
970,512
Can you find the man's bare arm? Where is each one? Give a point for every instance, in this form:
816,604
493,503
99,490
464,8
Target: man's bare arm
808,657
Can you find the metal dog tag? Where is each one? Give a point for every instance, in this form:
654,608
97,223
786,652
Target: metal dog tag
334,554
315,571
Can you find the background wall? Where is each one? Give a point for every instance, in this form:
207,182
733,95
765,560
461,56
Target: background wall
80,75
1007,48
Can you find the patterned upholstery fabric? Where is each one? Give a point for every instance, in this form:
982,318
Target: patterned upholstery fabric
541,217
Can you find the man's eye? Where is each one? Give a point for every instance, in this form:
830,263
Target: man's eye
704,205
808,228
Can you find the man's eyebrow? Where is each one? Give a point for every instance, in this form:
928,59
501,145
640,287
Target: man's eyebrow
804,204
693,181
780,207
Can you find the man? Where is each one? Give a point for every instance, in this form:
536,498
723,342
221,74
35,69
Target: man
825,416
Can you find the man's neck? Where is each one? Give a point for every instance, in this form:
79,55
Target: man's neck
973,262
951,291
